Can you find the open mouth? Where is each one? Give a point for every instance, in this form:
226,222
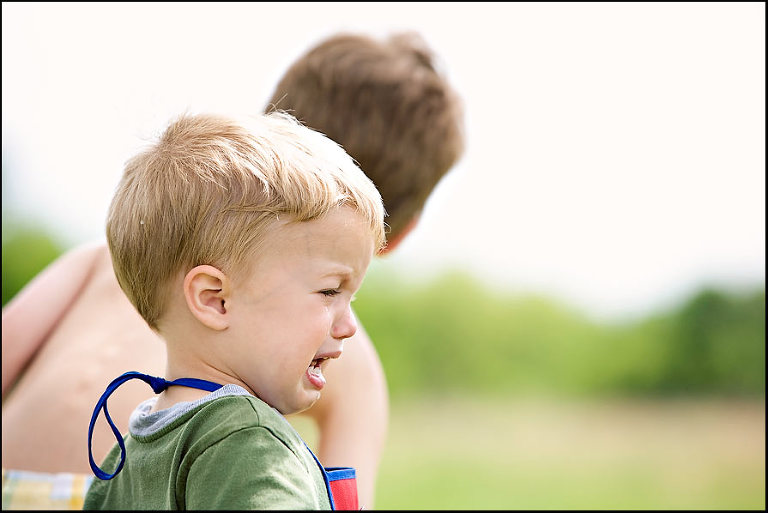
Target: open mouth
317,361
315,373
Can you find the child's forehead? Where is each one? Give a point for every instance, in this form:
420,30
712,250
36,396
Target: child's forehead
342,235
324,228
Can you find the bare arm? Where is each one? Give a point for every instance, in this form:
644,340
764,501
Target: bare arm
352,414
32,314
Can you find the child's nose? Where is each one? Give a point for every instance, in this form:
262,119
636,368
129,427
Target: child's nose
345,326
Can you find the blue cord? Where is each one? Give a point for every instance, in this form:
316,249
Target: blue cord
158,385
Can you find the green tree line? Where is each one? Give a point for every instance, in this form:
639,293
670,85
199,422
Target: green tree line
452,334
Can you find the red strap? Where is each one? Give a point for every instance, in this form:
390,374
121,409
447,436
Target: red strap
345,493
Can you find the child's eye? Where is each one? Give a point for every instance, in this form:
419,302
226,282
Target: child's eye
330,292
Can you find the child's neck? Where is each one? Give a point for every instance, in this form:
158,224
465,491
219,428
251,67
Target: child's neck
177,394
189,366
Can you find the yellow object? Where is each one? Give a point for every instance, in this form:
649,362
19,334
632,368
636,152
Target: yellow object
38,490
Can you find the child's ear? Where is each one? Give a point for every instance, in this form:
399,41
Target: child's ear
206,290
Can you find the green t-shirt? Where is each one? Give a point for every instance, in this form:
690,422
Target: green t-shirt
222,452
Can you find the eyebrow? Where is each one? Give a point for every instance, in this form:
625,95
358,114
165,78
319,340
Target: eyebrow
339,270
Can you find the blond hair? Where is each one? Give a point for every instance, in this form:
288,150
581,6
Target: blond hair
390,108
209,188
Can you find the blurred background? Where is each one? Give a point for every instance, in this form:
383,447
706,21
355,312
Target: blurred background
577,322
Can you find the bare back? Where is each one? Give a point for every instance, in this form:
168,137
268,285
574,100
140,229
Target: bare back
46,415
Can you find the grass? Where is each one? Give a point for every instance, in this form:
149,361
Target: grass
454,453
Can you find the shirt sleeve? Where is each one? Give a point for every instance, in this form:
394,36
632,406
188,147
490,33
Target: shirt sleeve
249,469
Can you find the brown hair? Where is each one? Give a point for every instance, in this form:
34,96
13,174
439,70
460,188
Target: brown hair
209,188
386,104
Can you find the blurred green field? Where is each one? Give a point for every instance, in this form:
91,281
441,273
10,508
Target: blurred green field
453,333
470,453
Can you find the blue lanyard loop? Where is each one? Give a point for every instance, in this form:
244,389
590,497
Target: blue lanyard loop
158,385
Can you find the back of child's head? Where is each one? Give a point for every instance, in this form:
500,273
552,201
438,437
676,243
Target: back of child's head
386,104
207,191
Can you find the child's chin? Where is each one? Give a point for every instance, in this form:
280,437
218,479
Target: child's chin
299,407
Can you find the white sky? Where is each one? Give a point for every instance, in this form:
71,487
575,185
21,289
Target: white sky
615,152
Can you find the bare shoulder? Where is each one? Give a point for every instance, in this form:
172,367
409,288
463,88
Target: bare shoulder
73,267
92,255
90,265
87,252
